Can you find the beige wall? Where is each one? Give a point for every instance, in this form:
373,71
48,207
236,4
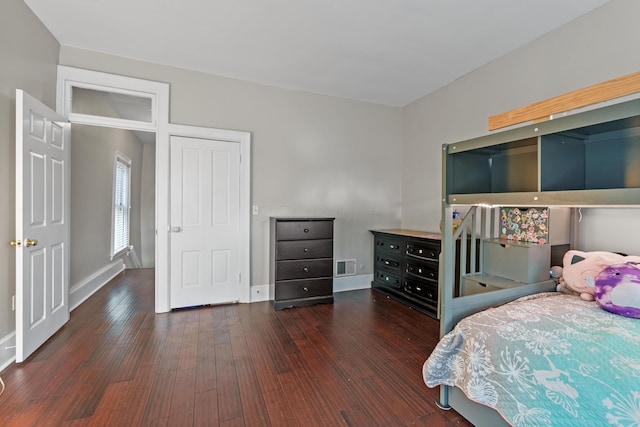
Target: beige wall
596,47
147,249
312,155
28,58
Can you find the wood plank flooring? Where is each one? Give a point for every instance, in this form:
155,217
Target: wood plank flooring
356,362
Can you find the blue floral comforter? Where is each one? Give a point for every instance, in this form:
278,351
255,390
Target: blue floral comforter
548,359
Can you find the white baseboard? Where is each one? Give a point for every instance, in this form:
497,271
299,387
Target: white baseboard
7,350
340,284
352,283
83,290
260,293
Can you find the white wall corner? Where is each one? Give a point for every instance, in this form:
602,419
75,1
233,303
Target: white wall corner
7,350
83,290
352,283
259,293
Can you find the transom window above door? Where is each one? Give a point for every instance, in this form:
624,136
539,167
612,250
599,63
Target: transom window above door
111,104
115,101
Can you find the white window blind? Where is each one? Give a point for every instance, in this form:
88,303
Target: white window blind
121,205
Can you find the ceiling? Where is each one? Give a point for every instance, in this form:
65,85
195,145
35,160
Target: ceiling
389,52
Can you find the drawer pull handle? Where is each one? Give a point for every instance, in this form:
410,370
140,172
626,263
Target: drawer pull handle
391,247
306,230
305,289
306,269
386,262
418,288
306,249
420,251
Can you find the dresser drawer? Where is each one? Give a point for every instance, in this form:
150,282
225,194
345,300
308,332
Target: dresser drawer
304,230
304,269
425,269
295,289
424,289
304,249
385,260
470,286
387,278
520,262
429,250
388,245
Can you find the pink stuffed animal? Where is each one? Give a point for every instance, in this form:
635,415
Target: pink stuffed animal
580,269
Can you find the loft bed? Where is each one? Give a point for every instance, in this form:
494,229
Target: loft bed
590,158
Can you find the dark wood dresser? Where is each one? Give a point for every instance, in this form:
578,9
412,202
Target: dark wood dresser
301,261
406,267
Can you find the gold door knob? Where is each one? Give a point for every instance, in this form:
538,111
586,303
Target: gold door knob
16,243
30,242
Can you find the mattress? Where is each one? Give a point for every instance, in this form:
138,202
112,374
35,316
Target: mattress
547,359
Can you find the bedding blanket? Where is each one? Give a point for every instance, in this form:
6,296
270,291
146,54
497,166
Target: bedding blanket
548,359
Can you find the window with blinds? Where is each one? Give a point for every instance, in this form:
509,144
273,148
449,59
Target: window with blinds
121,205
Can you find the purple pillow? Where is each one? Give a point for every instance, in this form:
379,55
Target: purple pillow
617,289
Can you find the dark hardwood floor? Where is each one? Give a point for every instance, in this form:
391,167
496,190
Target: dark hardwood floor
356,362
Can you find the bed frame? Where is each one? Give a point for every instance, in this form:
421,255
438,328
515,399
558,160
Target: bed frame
554,163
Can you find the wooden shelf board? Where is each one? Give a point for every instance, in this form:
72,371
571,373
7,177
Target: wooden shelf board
542,110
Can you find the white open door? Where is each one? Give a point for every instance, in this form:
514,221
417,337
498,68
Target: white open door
42,223
205,222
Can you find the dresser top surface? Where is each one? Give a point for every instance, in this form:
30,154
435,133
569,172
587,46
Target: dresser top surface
411,233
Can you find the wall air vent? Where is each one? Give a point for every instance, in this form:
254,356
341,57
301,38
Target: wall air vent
346,267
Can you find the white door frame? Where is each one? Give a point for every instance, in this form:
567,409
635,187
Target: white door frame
244,139
69,77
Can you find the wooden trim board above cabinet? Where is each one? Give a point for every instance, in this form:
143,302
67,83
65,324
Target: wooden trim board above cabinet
543,110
